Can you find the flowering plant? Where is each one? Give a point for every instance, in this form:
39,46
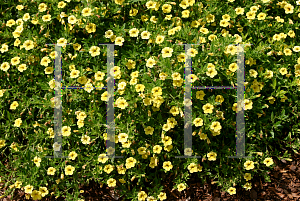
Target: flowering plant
149,73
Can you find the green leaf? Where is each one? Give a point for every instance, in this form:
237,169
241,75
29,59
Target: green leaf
277,124
283,113
272,133
274,83
272,117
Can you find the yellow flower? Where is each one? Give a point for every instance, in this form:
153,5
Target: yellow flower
211,72
37,161
10,23
296,48
208,108
162,196
176,76
287,52
66,131
269,74
181,187
271,99
28,45
261,16
288,8
156,91
219,99
73,155
249,165
46,18
253,73
145,35
248,186
167,165
62,42
248,104
185,13
212,156
198,122
19,7
254,8
210,18
4,48
49,70
22,67
224,23
233,67
200,94
42,7
43,191
142,196
203,136
172,122
90,28
76,46
159,39
36,195
192,167
109,34
18,122
192,52
283,71
18,184
119,2
250,15
216,126
121,103
247,176
119,41
167,52
61,4
122,137
72,19
232,190
26,16
134,32
268,162
130,162
74,73
108,168
111,182
2,92
94,51
14,105
171,31
69,170
166,8
102,158
45,61
86,12
133,12
88,87
239,11
157,149
150,4
85,139
28,189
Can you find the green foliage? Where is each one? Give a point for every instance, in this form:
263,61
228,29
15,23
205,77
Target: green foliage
271,110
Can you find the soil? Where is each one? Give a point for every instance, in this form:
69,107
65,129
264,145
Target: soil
284,185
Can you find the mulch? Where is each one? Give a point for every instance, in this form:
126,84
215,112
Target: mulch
284,185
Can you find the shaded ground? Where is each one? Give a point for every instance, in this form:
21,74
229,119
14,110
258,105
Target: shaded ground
284,185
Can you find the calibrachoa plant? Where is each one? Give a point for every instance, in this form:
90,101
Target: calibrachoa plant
149,92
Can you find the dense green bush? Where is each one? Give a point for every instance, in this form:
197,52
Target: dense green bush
149,92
